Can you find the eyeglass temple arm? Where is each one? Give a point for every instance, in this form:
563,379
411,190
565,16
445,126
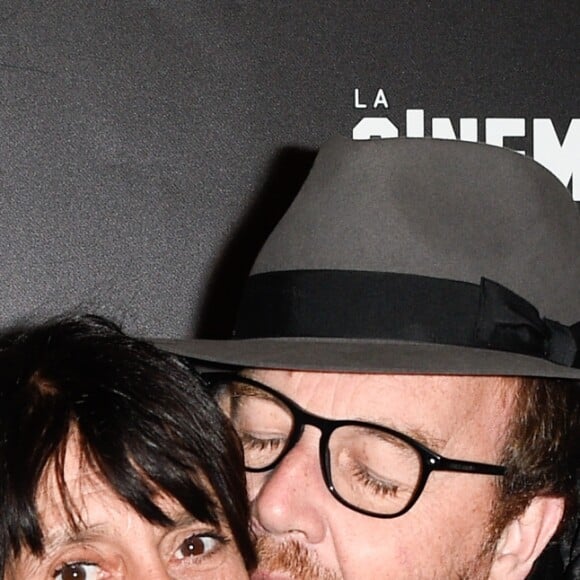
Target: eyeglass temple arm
444,464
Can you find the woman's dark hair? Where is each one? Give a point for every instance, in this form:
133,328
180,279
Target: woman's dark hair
142,420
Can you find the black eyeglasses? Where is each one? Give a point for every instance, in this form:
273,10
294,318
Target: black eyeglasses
369,468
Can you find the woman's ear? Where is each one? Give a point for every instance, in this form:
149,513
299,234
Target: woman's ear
525,537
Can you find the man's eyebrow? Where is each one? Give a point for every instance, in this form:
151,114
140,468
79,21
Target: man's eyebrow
421,436
242,388
426,439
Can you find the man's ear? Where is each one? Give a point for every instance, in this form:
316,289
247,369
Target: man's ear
524,538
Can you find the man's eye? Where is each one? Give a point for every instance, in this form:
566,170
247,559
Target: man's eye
78,571
250,441
375,485
198,545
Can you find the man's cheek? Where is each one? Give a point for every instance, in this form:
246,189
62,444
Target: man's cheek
255,481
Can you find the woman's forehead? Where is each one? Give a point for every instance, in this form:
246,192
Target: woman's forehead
73,492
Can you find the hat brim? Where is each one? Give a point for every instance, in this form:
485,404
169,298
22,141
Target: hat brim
366,356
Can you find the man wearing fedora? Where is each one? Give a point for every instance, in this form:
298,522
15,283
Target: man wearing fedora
408,358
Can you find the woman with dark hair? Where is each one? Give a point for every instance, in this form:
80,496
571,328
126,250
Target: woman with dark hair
114,462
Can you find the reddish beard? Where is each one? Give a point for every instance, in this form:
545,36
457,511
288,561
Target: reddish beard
291,558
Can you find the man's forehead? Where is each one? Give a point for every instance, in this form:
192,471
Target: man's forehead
479,386
406,402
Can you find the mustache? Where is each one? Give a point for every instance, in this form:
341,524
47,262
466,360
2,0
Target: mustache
292,558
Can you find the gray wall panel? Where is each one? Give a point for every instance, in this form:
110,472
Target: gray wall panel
146,147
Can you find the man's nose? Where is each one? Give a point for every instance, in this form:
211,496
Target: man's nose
290,499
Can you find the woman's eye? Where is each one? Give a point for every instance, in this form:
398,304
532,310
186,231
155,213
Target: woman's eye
78,571
197,545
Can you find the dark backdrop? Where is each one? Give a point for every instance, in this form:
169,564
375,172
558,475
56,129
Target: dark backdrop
147,147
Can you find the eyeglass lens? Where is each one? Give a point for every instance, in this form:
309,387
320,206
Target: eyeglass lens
368,468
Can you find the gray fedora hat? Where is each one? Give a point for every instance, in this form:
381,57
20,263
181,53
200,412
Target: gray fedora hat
414,256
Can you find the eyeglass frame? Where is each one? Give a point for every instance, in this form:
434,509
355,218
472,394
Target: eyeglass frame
430,460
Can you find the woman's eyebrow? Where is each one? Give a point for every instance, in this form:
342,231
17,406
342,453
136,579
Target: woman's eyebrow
66,536
183,519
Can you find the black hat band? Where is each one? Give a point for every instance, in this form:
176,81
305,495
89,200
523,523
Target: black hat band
354,304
